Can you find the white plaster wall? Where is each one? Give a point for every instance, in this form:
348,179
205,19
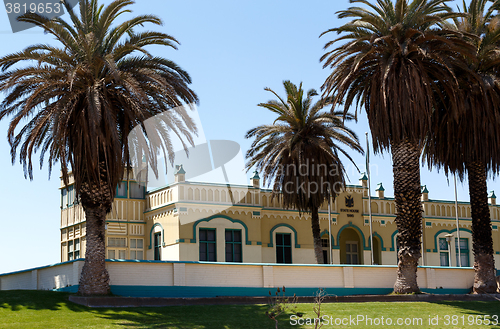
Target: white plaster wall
238,275
389,258
189,251
252,254
421,277
432,258
140,274
374,277
307,276
56,277
454,278
170,252
20,281
150,254
269,254
223,275
367,257
336,256
303,256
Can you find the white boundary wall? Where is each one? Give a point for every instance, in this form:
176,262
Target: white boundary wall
43,278
196,274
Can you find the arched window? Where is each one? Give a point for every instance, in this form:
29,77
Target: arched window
283,237
448,252
283,248
220,238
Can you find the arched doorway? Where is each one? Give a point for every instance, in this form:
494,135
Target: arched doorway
351,248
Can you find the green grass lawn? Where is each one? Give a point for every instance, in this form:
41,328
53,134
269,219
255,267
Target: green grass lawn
43,309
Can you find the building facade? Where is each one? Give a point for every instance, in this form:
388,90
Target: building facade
193,221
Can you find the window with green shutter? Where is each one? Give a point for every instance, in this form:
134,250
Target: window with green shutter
234,251
208,250
284,248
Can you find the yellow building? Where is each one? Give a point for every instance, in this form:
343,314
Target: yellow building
193,221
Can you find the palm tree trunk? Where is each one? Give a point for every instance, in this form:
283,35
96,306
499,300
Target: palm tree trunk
94,279
318,247
406,168
482,241
97,199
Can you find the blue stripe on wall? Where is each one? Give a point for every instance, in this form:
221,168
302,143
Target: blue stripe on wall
71,289
197,292
446,291
183,291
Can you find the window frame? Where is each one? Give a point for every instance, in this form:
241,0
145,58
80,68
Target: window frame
207,242
64,198
351,253
463,251
70,250
76,251
71,195
130,191
284,247
157,247
232,244
117,238
68,197
444,252
117,251
126,190
325,246
136,249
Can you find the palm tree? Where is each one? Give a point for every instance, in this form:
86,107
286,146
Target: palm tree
474,134
392,63
83,98
300,153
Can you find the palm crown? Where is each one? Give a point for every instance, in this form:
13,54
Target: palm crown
474,132
301,135
83,98
392,63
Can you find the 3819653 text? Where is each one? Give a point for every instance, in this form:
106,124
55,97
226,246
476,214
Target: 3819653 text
39,8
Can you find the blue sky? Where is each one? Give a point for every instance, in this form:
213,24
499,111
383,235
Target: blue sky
232,49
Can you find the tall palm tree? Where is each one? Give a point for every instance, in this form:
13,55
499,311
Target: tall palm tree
81,99
474,134
392,63
300,153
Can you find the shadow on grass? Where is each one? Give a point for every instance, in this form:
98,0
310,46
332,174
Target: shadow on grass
194,317
478,310
174,317
16,300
